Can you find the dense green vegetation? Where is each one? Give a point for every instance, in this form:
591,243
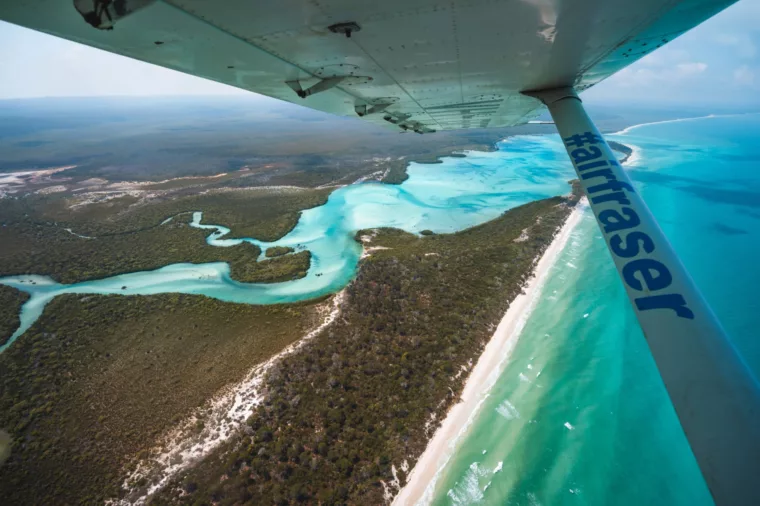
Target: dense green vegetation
357,397
275,270
5,446
277,251
262,214
396,173
98,378
66,258
10,306
129,238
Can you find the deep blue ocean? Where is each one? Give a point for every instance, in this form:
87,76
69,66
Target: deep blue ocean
580,415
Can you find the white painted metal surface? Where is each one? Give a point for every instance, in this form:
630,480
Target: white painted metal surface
715,395
447,65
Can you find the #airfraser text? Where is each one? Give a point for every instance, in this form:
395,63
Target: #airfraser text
621,225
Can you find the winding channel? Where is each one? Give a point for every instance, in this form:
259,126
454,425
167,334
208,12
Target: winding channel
455,194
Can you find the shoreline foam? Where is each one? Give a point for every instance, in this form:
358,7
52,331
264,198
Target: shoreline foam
627,130
634,158
422,480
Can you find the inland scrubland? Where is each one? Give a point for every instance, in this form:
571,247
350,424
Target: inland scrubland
10,305
98,379
96,382
38,234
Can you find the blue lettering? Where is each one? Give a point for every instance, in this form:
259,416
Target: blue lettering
642,274
618,197
612,184
605,173
591,165
613,221
579,140
632,243
673,301
653,274
583,155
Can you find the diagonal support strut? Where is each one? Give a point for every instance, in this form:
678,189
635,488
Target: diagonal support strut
716,397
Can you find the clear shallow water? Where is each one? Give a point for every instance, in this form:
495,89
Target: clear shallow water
579,415
453,195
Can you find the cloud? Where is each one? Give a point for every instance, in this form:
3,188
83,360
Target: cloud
740,43
744,76
716,63
688,69
665,65
34,64
654,76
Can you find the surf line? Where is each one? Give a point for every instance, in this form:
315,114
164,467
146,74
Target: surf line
641,273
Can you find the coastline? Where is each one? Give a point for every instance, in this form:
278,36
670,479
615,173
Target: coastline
627,129
634,158
421,482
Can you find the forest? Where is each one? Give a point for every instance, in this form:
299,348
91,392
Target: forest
278,251
10,305
120,237
97,380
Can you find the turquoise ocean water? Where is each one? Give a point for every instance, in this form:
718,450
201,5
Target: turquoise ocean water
579,415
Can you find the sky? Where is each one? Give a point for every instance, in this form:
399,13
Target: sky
717,63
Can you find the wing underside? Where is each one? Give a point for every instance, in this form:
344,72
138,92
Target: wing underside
409,64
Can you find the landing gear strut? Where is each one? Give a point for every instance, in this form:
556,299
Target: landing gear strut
715,395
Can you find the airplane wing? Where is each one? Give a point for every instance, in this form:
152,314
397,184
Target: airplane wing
420,65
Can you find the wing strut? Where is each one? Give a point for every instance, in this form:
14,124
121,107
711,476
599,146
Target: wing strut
715,395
